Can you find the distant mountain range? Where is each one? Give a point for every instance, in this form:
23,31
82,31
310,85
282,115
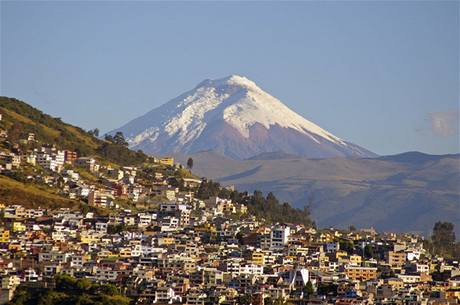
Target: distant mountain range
405,192
234,117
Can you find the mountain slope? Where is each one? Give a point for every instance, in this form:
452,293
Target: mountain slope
32,196
406,192
20,119
236,118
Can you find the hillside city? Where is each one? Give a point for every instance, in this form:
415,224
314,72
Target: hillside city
96,232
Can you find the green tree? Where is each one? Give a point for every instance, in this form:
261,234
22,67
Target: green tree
369,251
327,288
308,290
109,138
443,239
245,299
190,163
119,139
94,132
346,245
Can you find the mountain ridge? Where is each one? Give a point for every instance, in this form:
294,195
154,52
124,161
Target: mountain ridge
381,192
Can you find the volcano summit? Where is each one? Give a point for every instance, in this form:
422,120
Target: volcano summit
234,117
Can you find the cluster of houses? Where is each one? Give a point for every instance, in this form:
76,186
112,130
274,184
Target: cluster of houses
186,253
170,247
101,185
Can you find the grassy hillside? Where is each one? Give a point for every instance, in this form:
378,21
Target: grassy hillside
32,196
19,119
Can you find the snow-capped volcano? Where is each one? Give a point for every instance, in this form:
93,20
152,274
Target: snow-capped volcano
235,117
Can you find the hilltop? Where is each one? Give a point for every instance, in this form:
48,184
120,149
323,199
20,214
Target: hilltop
20,119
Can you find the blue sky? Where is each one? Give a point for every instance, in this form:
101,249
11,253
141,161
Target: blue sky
384,75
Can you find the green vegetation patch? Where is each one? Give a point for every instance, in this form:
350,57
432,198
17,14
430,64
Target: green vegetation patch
69,291
31,196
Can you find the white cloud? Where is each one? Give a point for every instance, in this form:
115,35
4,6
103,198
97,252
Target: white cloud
445,123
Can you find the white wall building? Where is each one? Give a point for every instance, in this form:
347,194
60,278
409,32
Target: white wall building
279,236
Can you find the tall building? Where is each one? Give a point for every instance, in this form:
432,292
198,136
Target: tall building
279,236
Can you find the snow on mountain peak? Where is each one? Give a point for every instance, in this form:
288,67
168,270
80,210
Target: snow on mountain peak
241,103
232,81
253,105
237,80
234,107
